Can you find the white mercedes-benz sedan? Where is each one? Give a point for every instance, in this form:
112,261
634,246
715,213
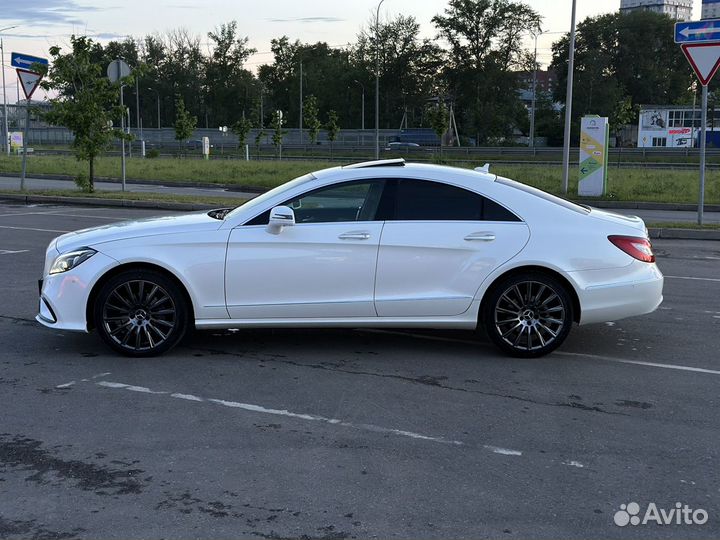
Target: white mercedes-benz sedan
376,244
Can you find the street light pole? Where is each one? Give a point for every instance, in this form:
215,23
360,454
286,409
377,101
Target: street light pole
301,103
6,144
568,103
534,93
362,109
377,81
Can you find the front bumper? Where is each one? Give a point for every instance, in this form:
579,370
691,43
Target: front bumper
64,297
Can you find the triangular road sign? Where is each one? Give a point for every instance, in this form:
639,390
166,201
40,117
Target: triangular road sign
29,80
704,59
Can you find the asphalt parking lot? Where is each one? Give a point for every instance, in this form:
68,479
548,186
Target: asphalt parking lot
355,434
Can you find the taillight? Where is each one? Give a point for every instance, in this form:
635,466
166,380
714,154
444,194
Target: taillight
635,246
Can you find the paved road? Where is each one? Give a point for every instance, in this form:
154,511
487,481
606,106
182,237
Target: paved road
650,216
355,434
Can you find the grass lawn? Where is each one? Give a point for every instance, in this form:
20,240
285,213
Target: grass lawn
652,185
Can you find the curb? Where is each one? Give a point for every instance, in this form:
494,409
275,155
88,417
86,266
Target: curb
134,181
629,205
661,233
684,234
122,203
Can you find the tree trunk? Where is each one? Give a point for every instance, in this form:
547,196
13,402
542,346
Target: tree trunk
91,178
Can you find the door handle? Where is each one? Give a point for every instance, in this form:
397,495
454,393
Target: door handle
354,235
482,236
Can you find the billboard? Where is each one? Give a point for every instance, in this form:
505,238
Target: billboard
653,119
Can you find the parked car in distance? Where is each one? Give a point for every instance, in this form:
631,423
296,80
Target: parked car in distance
397,145
376,244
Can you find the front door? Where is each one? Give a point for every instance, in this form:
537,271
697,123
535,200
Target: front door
322,267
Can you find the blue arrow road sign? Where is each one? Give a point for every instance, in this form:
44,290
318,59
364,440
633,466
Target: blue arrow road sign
25,61
697,31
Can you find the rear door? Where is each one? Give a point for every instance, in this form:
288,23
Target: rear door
438,245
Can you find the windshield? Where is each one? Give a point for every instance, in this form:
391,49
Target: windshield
260,199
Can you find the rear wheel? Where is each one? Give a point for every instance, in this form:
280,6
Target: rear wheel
528,314
141,313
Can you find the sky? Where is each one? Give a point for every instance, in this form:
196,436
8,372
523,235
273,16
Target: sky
43,23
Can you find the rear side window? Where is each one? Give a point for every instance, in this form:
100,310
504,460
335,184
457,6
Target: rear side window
417,200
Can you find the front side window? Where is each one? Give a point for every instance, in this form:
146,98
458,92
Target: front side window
435,201
349,201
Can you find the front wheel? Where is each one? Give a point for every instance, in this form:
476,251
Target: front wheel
141,313
528,315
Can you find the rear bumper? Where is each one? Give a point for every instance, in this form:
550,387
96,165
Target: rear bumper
610,295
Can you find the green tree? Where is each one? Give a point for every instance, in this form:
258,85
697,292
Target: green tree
409,67
485,38
438,117
184,122
609,66
332,127
85,101
278,132
311,120
242,128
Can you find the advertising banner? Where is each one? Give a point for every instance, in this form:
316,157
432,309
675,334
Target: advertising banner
593,156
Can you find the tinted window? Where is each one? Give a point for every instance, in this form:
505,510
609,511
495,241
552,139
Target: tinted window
349,201
424,200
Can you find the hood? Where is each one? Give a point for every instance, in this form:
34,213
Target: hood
628,221
137,228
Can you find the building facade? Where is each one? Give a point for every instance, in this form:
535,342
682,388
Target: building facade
711,9
680,10
672,126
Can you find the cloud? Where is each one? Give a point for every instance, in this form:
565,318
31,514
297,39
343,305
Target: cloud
309,19
43,11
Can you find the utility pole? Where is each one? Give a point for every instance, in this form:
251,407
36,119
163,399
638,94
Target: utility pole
301,103
568,103
362,109
534,92
6,144
377,81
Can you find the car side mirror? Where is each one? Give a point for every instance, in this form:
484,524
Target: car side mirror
280,216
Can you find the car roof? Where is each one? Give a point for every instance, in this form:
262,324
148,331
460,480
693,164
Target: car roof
399,168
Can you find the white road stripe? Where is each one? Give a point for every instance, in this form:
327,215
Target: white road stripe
31,229
66,385
694,278
641,363
586,355
503,451
278,412
12,251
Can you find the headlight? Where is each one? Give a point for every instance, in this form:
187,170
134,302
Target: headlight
68,261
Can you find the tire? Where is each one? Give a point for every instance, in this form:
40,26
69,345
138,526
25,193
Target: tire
141,313
528,315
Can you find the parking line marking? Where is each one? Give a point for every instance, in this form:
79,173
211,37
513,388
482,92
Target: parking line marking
693,278
12,251
642,363
564,353
31,229
503,451
66,385
280,412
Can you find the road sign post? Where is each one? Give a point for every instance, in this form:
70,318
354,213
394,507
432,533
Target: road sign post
29,81
700,43
117,70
